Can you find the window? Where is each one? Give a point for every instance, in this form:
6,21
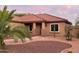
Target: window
54,27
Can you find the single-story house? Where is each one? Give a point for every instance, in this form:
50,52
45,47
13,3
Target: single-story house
43,24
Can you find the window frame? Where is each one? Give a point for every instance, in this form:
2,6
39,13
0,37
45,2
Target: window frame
54,24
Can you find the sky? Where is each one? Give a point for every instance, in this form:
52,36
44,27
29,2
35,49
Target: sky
70,12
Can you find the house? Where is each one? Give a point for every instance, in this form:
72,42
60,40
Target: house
43,24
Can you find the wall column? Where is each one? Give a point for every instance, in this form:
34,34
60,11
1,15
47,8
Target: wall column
34,25
43,30
43,25
34,29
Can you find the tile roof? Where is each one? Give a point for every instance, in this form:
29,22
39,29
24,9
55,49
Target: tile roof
51,18
27,18
39,18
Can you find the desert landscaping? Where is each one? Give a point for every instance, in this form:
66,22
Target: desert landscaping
40,44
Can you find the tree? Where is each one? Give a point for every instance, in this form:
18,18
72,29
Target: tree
18,32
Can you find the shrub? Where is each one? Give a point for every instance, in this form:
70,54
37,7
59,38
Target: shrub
68,34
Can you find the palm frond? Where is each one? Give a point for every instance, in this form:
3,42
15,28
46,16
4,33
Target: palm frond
20,32
10,16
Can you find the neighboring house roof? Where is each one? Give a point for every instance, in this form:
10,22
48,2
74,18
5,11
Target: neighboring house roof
39,18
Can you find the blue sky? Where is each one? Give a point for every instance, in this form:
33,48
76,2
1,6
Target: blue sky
70,12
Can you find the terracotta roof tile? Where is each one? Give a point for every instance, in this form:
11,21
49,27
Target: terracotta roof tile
48,17
39,18
27,18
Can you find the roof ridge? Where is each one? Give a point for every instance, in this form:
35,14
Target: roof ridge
63,19
55,16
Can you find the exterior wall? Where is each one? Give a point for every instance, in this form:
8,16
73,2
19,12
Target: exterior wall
39,30
47,31
61,29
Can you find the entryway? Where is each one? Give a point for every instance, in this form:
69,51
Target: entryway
39,27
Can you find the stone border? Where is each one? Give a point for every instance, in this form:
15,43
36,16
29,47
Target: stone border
66,51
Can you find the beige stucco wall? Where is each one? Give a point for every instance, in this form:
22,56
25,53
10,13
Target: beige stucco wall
47,31
61,28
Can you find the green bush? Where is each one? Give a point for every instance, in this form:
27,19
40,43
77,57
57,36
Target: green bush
68,34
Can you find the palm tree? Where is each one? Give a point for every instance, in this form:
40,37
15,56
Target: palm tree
18,32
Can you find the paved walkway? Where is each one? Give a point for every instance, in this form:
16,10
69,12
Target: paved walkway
74,43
